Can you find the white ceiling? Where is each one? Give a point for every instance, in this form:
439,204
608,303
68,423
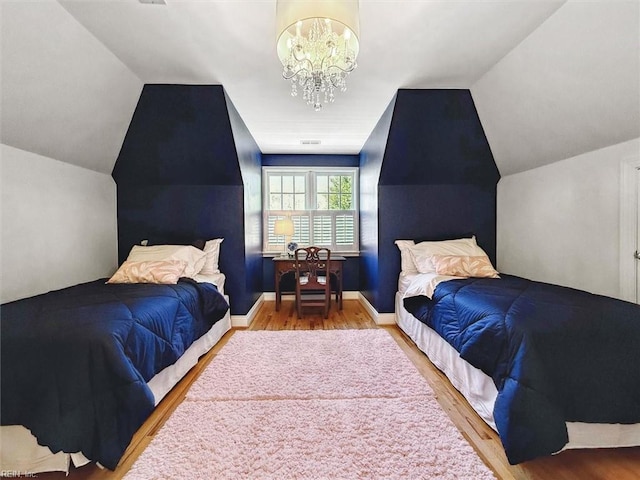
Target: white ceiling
407,44
533,67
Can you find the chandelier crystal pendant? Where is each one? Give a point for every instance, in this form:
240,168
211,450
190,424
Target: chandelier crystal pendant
318,46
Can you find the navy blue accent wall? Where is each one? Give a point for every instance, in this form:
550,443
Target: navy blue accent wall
250,159
437,180
437,138
371,158
188,169
179,135
290,160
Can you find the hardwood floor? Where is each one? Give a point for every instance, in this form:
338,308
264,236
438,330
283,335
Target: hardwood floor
601,464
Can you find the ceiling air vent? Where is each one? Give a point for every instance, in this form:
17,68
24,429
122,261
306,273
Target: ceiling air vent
310,142
155,2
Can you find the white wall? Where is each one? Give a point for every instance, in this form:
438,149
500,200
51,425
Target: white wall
560,223
65,98
58,224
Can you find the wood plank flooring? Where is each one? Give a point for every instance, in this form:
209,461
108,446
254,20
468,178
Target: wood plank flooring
601,464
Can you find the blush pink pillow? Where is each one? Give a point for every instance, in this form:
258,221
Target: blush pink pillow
166,272
464,266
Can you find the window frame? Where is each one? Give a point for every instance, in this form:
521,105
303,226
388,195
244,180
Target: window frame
310,174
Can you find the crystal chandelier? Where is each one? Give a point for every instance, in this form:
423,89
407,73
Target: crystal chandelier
317,45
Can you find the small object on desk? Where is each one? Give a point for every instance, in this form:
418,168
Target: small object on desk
291,248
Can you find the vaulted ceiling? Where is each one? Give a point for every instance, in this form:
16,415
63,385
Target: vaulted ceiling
550,79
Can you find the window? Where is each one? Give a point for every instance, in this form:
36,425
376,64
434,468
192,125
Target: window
321,202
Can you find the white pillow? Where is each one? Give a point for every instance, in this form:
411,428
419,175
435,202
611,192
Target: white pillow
212,256
421,253
194,257
406,261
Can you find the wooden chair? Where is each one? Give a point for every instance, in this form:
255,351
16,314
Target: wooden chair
288,284
313,285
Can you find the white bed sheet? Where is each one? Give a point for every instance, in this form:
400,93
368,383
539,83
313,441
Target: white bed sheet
480,391
19,449
420,284
217,279
404,280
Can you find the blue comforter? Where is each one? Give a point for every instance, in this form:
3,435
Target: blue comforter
75,362
555,354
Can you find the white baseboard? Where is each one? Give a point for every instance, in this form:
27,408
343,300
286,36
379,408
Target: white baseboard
386,319
243,321
379,318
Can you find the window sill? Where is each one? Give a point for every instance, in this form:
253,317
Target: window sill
333,252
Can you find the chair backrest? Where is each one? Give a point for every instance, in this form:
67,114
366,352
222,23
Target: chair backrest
313,261
313,269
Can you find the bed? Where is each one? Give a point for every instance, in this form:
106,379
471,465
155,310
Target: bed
548,367
83,367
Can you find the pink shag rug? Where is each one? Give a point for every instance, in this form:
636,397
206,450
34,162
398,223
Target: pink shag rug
329,404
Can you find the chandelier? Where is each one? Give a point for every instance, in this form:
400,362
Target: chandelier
317,45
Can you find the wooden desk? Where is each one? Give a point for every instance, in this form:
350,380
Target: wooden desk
282,265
